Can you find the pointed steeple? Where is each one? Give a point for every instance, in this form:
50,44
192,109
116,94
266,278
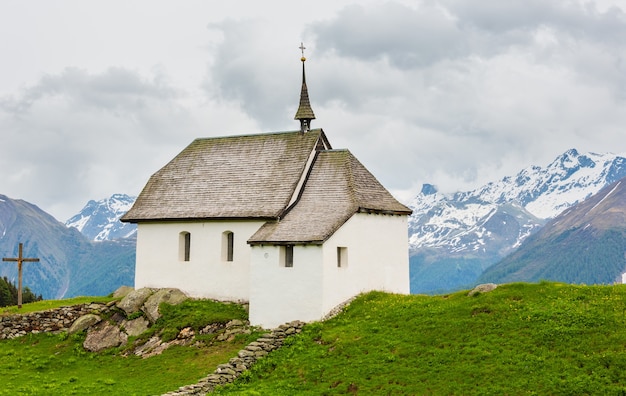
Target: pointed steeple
305,112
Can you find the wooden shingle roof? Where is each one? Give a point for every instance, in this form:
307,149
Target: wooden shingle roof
251,176
338,186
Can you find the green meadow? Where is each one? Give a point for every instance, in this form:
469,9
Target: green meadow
520,339
55,364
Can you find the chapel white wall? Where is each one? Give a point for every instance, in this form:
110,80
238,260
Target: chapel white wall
378,258
281,294
206,274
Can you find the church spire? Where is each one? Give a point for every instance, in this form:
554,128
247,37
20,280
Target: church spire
305,112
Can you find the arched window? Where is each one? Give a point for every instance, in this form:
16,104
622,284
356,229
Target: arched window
228,245
184,246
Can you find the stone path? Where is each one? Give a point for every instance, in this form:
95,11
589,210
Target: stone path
227,373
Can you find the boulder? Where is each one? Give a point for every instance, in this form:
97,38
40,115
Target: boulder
122,291
84,322
170,296
133,301
484,288
104,336
136,326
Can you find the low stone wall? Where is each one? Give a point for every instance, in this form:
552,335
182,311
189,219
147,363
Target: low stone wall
227,373
52,320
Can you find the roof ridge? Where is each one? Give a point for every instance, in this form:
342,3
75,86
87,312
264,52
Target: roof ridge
257,134
351,183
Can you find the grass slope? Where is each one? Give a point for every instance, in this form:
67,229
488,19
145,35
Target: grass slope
539,339
526,339
49,364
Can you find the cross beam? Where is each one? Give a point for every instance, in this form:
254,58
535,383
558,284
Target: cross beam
19,259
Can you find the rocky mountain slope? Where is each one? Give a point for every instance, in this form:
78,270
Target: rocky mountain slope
584,244
99,220
454,238
70,264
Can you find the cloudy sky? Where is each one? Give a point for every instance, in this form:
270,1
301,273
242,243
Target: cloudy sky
95,96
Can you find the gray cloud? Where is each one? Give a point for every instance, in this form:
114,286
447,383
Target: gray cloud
410,37
257,72
404,36
72,136
118,90
580,20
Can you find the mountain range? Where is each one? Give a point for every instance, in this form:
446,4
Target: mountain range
584,244
454,238
70,263
493,233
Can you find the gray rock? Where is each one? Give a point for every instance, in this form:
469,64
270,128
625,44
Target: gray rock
133,301
484,288
234,323
104,336
149,346
84,322
122,291
136,326
170,296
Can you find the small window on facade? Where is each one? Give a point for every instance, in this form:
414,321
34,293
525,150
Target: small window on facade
342,257
184,246
288,256
228,245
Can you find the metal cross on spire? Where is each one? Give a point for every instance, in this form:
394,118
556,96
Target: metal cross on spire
302,48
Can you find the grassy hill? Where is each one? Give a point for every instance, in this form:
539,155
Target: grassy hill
545,338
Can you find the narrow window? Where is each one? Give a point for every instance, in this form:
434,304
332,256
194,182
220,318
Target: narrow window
184,246
342,257
289,256
228,245
231,244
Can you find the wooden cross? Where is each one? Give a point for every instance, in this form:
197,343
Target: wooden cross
19,259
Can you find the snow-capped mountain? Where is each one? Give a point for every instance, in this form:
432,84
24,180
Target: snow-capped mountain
70,264
583,244
99,220
453,238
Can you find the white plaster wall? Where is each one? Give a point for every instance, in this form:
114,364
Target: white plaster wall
282,294
205,274
378,258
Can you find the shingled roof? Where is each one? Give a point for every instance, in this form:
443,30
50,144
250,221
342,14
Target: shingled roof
233,177
338,186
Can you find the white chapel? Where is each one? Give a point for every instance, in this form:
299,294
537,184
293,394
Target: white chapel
281,220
